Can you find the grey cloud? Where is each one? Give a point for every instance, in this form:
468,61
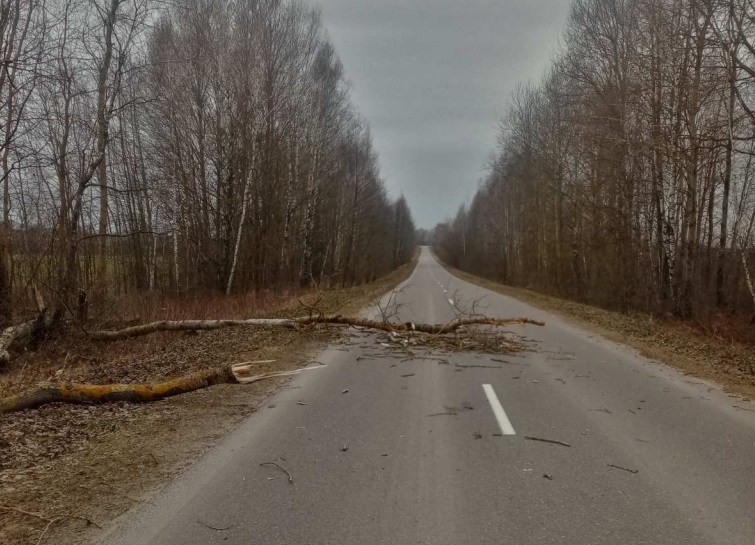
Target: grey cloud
432,77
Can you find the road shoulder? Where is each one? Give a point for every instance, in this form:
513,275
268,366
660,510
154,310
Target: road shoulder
679,345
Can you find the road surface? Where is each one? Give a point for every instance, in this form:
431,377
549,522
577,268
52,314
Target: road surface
439,458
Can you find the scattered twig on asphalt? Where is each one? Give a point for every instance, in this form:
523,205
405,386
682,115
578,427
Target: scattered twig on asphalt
446,413
454,411
603,410
300,403
409,375
480,366
624,468
439,360
548,476
742,408
218,528
553,441
290,478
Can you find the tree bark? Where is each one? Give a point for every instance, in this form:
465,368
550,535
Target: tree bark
237,246
748,277
78,393
199,325
19,332
721,268
102,141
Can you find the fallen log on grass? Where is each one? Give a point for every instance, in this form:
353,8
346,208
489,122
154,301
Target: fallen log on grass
198,325
80,393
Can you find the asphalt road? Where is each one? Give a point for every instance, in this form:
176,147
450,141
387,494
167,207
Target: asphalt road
379,464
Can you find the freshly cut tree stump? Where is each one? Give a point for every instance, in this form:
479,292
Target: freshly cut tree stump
17,333
27,329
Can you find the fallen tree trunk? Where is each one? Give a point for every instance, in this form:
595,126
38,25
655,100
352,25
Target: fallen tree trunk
197,325
181,325
433,329
21,331
72,392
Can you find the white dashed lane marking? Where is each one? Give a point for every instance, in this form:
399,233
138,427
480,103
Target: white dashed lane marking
498,412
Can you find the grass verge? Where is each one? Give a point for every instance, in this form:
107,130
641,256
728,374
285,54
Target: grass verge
676,343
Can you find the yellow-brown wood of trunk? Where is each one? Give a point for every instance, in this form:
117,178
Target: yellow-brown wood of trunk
72,392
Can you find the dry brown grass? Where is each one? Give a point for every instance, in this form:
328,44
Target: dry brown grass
149,308
72,356
695,349
256,304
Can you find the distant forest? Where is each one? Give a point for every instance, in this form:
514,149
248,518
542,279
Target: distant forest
626,177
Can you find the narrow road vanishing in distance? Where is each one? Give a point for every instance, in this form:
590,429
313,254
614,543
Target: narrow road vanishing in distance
385,451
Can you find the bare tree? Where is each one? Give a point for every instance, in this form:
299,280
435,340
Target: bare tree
623,178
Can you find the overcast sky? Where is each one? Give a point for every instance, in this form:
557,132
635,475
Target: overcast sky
432,78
